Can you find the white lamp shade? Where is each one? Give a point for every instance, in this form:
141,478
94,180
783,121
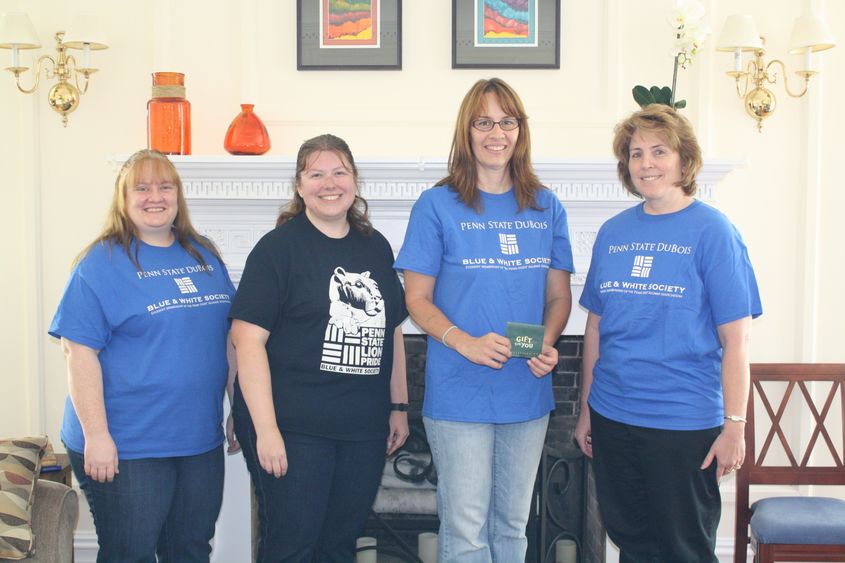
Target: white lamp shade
810,32
739,32
85,29
16,31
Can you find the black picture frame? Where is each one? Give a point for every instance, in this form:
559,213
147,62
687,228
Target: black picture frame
542,52
310,55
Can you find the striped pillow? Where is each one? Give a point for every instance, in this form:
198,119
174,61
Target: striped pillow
20,463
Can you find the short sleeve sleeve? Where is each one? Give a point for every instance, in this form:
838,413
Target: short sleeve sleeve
590,299
561,246
422,250
263,286
729,281
80,316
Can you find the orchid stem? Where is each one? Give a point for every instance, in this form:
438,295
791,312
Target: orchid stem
674,82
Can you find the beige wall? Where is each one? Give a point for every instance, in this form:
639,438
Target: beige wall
785,197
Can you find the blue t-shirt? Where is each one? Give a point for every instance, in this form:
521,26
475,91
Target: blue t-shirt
491,269
661,285
161,335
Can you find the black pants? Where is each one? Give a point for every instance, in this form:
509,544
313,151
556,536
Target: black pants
316,511
657,505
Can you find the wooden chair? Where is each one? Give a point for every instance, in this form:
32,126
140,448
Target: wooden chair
793,528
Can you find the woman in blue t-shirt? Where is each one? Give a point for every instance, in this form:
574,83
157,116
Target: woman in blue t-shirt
670,294
486,246
143,325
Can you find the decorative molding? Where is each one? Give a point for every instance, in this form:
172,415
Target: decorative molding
234,200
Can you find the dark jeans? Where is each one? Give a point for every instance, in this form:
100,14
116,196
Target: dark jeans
657,505
317,510
155,506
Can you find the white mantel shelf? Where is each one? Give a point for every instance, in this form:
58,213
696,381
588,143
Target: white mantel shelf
235,199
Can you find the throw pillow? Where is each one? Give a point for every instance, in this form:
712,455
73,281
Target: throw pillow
20,463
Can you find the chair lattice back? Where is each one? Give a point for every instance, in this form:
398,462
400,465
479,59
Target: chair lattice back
827,436
799,465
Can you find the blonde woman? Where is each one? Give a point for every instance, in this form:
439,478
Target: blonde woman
143,325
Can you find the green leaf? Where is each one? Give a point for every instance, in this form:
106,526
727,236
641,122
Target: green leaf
680,104
642,96
656,94
665,95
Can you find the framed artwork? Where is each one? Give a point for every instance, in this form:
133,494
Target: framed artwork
505,33
349,34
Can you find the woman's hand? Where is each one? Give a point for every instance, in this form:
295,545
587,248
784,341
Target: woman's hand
271,453
491,350
728,450
398,431
545,362
583,433
100,458
231,439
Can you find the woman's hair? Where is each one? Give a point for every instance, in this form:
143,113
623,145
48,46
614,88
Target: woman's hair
357,214
119,228
675,130
463,172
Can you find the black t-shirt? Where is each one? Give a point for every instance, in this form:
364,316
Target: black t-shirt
331,306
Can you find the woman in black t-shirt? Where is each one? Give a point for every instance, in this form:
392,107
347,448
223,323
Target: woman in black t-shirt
321,382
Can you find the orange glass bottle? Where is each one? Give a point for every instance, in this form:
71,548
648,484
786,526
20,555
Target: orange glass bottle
247,133
169,115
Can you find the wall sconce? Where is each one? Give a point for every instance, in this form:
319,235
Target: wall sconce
17,33
810,34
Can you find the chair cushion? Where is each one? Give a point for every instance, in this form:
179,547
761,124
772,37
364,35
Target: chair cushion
798,520
20,462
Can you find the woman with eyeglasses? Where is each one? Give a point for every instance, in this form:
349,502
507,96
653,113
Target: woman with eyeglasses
486,246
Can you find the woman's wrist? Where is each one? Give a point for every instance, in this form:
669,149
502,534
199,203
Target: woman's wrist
445,334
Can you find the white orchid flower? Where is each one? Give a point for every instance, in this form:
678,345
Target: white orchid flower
687,11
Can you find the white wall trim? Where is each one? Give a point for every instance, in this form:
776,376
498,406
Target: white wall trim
85,546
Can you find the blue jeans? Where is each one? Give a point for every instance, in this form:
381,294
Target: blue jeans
486,475
317,510
155,506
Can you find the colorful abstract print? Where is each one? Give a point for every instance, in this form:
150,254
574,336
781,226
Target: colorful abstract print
349,23
506,23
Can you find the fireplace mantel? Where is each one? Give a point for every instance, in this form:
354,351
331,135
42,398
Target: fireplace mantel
235,199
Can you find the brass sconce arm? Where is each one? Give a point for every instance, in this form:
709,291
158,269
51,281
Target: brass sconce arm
39,66
806,74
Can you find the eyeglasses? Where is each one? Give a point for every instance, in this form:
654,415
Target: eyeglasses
486,124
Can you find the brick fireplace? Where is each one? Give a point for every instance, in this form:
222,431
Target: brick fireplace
235,200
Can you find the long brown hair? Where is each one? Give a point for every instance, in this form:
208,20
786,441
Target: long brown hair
119,228
674,129
357,215
463,173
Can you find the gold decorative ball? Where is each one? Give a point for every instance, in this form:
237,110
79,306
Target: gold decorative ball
63,97
760,103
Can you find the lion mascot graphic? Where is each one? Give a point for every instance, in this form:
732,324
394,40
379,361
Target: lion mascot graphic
355,300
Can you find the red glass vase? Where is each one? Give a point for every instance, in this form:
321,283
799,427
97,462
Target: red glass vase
247,133
169,115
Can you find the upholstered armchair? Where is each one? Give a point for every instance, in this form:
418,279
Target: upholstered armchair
55,510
